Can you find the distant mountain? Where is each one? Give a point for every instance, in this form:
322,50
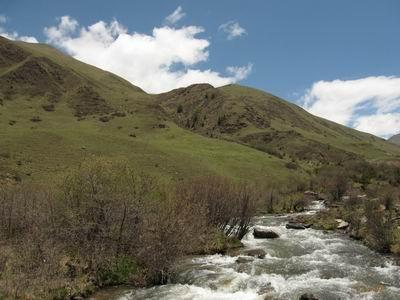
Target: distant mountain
56,111
395,139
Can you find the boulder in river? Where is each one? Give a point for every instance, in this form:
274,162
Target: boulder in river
243,260
298,226
259,253
260,233
308,297
342,224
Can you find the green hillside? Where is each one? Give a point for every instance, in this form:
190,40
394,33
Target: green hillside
56,111
270,124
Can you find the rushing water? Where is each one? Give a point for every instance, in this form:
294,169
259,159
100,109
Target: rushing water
327,265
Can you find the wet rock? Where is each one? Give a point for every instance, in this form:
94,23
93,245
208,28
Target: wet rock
355,234
265,288
342,224
259,253
298,226
260,233
243,260
308,297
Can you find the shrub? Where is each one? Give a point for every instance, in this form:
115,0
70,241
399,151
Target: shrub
36,119
335,181
224,205
108,222
379,226
48,107
291,165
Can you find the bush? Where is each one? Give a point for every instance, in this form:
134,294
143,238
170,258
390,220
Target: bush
109,224
222,204
335,181
379,226
291,165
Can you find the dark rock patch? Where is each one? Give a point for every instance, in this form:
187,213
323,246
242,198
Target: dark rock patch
259,253
260,233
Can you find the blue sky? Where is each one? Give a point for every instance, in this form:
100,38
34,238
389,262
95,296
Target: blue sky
319,54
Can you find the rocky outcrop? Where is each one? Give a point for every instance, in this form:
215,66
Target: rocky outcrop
260,233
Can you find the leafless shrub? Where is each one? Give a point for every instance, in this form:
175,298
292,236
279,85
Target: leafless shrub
335,181
379,226
105,213
226,206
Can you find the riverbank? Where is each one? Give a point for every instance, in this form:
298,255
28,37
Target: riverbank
378,228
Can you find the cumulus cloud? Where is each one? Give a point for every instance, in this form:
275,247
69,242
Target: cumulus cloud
385,125
232,29
369,104
177,15
13,35
156,62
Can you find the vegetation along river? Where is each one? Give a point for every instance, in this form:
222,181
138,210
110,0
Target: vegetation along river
327,265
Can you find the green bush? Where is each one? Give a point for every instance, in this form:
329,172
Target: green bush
120,271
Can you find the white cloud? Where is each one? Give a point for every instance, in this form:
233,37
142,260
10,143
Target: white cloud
359,103
232,29
240,73
13,35
384,125
156,62
177,15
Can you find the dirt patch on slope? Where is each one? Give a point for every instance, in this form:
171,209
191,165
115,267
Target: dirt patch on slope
86,101
207,110
10,54
38,76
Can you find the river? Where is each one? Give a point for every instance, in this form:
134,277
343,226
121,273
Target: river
325,264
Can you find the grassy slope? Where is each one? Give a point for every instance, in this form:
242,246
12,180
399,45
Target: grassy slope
321,130
41,150
239,113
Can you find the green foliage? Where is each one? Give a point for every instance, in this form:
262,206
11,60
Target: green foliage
218,242
119,271
395,247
